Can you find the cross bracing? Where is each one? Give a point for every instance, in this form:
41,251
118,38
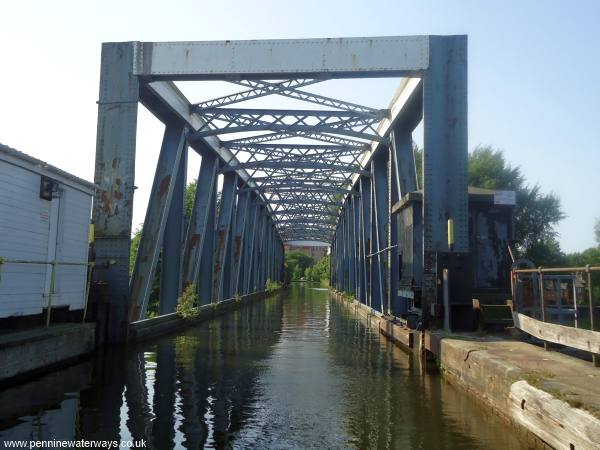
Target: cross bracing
326,168
301,160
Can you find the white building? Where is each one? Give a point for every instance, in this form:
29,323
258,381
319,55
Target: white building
44,217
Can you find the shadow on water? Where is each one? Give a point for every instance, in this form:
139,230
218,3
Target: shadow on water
294,371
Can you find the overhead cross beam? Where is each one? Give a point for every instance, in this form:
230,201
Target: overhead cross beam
290,173
236,120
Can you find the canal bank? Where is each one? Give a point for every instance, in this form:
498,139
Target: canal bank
28,353
296,370
553,398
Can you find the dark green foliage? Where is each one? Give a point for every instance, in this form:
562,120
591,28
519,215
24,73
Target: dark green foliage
318,272
590,256
295,264
536,213
188,201
153,307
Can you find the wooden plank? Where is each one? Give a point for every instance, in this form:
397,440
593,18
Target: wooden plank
554,421
559,334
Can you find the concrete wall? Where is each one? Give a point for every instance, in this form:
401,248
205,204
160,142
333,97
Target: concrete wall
27,352
168,323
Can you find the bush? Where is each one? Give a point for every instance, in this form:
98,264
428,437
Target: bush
186,304
272,285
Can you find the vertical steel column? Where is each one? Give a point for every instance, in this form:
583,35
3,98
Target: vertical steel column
405,172
365,209
238,240
159,205
114,174
198,227
392,237
222,235
249,245
351,267
227,269
260,263
204,282
266,256
403,180
445,157
339,260
170,283
356,240
380,209
344,249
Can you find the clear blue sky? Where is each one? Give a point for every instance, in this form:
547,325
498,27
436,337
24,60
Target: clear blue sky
533,75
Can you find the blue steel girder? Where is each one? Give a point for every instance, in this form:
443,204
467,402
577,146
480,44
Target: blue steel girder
282,165
293,92
259,89
199,226
291,183
157,213
236,120
223,232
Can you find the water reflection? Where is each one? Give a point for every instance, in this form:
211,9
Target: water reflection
293,372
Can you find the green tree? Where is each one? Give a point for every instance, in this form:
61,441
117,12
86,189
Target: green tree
597,231
153,301
190,195
320,271
536,214
188,200
308,274
296,263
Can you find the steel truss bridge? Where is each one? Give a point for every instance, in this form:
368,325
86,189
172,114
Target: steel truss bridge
328,172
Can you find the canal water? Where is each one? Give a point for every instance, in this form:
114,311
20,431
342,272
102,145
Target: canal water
296,371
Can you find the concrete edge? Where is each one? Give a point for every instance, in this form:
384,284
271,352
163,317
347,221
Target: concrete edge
168,323
41,351
544,420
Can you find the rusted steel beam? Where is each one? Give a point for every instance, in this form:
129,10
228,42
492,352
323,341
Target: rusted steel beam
170,274
199,226
114,174
222,233
156,219
242,210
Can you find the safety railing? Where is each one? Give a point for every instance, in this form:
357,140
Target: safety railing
51,291
550,303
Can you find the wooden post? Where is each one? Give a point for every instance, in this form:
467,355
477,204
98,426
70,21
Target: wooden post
595,360
542,305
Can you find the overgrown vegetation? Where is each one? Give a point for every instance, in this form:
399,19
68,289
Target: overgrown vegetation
272,286
299,266
187,303
153,301
319,272
295,265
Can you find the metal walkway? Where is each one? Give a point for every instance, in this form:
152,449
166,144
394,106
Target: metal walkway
329,173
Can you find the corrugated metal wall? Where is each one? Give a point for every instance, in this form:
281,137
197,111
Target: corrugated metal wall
27,232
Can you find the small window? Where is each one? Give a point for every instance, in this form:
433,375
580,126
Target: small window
48,186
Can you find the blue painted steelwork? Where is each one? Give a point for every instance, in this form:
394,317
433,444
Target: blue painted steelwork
199,226
170,274
298,174
206,275
365,240
222,234
159,203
